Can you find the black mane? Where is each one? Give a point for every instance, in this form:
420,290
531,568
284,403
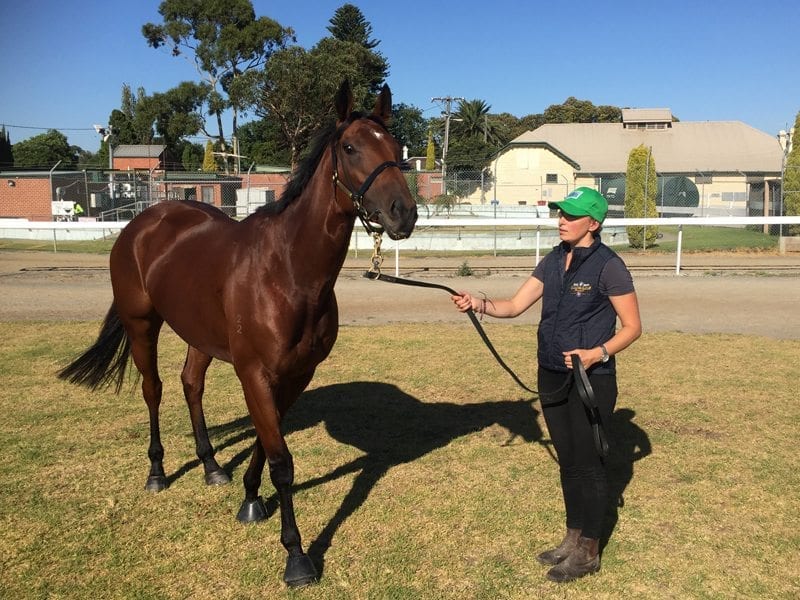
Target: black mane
308,166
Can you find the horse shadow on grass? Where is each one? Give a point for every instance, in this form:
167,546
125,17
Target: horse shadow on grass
389,426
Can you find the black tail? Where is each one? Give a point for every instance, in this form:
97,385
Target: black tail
106,360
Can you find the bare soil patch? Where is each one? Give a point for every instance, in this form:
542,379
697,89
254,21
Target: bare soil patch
40,286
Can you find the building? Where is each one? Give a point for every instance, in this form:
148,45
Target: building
709,168
140,157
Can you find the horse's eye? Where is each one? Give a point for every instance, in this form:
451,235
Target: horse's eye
348,148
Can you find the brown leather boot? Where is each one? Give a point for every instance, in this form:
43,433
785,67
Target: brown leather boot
567,545
585,559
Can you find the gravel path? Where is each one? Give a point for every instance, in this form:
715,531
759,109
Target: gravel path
42,286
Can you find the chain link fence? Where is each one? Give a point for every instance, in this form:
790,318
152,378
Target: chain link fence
698,195
116,196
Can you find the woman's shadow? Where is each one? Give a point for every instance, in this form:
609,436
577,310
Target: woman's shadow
630,444
390,427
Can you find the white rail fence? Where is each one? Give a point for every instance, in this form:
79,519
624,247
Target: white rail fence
542,232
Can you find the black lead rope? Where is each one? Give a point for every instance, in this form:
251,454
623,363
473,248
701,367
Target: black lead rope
580,377
587,396
470,313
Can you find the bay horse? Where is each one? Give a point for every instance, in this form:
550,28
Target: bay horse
257,293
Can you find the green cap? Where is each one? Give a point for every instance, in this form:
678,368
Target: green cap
583,202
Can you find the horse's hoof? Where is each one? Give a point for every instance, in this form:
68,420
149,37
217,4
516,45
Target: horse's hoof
300,571
252,511
156,483
218,477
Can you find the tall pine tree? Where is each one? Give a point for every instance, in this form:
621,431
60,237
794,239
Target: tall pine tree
6,151
348,24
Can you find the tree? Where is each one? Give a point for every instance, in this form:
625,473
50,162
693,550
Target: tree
260,141
44,151
6,152
348,24
473,141
91,161
225,40
192,156
409,128
135,122
791,180
471,119
641,188
509,127
581,111
430,153
176,113
290,92
209,162
468,154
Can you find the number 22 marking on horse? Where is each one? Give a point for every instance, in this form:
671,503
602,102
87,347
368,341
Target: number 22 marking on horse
238,323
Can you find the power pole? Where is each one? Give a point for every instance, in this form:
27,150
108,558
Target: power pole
448,102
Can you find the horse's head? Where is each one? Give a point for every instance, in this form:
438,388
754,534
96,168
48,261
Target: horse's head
366,162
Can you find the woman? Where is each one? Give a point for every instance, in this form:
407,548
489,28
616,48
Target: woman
585,287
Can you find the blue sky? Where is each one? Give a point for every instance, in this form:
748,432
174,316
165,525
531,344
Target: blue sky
62,64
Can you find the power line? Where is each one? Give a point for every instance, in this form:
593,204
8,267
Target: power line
6,125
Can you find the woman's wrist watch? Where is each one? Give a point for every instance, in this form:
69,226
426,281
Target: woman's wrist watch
605,353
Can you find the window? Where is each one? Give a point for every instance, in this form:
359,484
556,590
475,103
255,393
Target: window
552,178
207,194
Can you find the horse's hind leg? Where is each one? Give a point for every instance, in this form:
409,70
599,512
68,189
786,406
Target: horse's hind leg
193,379
143,333
253,508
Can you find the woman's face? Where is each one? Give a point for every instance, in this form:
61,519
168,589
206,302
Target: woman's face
576,231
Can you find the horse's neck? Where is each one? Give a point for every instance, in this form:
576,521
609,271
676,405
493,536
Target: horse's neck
318,224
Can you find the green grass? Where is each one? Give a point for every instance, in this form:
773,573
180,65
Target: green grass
86,246
695,239
715,239
421,459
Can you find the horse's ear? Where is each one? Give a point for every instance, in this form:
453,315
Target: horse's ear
383,104
344,101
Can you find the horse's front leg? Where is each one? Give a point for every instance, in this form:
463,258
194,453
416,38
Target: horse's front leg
271,447
299,568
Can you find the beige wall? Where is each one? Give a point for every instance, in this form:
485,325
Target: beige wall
521,177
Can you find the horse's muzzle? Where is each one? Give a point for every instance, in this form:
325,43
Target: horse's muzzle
400,222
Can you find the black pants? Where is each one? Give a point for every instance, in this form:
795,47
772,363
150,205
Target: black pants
584,481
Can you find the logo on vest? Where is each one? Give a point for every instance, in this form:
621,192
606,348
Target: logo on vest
579,288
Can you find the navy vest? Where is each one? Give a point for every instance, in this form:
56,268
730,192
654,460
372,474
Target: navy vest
574,312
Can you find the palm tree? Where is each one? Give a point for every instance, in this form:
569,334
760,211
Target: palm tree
472,120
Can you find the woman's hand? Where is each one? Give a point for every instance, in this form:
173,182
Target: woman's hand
588,357
463,301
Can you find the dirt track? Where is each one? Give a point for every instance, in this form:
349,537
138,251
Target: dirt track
41,286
